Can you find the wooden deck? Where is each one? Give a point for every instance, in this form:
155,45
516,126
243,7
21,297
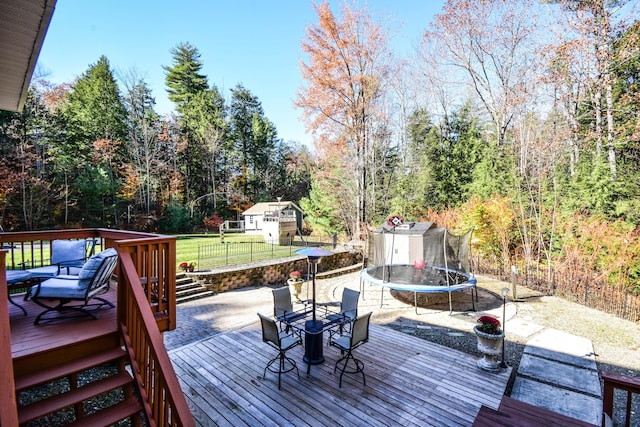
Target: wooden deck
410,381
27,338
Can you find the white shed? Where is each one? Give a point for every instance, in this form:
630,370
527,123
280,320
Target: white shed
254,217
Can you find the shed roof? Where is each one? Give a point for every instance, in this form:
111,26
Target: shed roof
262,207
408,228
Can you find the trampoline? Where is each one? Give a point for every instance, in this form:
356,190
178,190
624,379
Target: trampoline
435,261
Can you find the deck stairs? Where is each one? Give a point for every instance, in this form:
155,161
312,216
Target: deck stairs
188,290
73,385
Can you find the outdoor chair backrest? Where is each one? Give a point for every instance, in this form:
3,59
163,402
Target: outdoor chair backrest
349,304
270,333
95,273
360,331
71,253
282,302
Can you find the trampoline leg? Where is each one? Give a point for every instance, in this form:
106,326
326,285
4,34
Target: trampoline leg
415,301
473,302
450,305
381,295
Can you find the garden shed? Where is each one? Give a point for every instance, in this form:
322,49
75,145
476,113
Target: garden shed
254,217
402,244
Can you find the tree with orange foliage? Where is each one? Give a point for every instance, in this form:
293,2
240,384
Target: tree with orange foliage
349,63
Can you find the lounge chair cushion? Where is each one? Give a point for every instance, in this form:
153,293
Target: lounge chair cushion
61,286
64,286
91,266
68,252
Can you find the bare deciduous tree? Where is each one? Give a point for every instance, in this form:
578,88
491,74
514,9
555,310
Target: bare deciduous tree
346,73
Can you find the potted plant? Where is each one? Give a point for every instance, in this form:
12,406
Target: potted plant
188,266
490,340
295,282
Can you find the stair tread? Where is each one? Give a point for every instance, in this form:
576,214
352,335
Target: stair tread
191,298
191,291
68,368
56,403
110,415
198,293
188,288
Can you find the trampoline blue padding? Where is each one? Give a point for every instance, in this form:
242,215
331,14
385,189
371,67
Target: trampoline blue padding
429,279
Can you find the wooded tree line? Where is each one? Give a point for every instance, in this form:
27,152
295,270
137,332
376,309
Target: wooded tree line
518,118
93,153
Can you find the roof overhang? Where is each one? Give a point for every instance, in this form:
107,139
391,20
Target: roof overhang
23,25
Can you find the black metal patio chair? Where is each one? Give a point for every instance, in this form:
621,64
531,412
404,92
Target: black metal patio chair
282,342
348,342
76,294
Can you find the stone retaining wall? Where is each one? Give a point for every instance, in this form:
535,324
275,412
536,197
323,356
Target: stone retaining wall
268,272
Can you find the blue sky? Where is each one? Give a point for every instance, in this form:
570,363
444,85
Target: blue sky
253,42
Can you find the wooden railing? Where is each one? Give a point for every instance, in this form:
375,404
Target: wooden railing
613,381
154,257
146,306
8,404
154,374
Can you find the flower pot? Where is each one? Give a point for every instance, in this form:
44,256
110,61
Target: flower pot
490,345
296,288
190,269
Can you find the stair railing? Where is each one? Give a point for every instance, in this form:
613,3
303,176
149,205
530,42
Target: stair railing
154,375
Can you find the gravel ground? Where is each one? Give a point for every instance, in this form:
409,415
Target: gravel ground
616,342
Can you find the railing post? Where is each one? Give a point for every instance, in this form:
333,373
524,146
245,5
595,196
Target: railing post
9,409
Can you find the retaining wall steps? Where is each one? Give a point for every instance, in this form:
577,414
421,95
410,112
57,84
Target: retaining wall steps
187,289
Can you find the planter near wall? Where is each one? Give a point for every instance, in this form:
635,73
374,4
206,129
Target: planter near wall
490,345
296,288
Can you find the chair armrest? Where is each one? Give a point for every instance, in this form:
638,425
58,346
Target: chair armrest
24,265
328,304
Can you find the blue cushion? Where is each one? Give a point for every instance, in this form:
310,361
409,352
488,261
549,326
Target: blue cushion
60,287
91,266
63,251
46,271
64,286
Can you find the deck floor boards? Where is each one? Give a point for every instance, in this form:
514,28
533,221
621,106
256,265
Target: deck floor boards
27,338
219,357
410,381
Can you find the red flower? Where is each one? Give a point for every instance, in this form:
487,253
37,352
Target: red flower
183,265
489,325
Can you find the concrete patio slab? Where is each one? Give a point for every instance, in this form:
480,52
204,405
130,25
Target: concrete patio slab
522,328
563,347
563,401
560,374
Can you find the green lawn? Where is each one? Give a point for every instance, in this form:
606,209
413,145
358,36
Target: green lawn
187,245
187,249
